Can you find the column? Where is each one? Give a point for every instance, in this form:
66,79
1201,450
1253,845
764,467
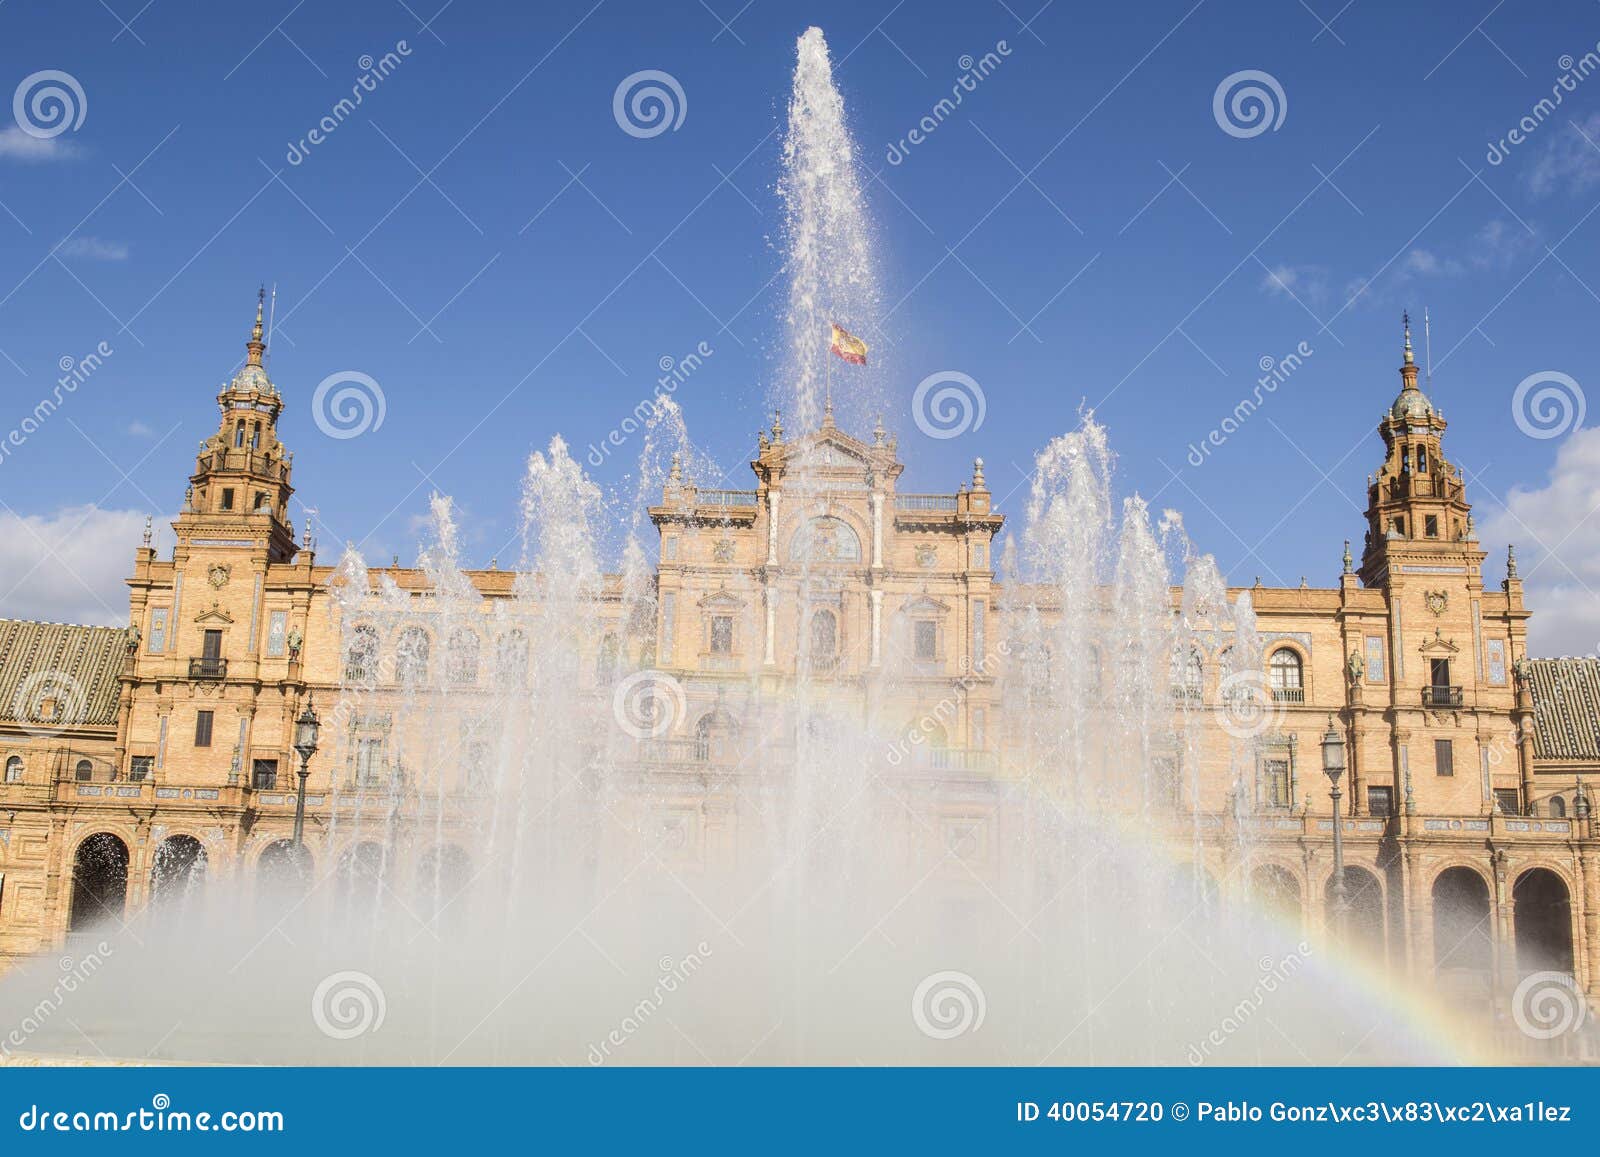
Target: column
773,498
877,627
768,657
877,540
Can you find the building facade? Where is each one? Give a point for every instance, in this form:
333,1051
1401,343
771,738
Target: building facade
142,759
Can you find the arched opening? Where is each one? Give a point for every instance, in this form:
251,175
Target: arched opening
715,734
442,879
1276,890
179,873
1462,935
511,659
461,657
605,667
1543,922
360,879
824,639
411,657
84,771
283,876
361,658
1287,676
1558,807
825,540
14,769
99,882
1187,675
1363,922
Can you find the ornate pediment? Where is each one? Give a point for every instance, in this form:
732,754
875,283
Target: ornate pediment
214,615
722,600
924,605
1439,645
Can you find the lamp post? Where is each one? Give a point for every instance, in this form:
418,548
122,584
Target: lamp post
305,742
1333,768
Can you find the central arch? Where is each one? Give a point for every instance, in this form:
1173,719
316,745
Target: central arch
1462,936
99,882
1364,923
178,873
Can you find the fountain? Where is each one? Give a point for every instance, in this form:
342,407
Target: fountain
850,907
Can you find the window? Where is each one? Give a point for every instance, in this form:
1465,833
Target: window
1508,800
264,774
411,656
1380,801
140,768
238,436
824,637
1558,807
202,728
1430,525
1422,459
1276,783
1186,675
722,634
925,640
605,666
227,498
84,772
14,769
261,501
511,658
1444,757
1287,676
369,762
361,659
462,656
1400,527
255,437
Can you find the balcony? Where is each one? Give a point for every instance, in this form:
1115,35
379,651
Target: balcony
208,668
1441,696
941,503
1289,694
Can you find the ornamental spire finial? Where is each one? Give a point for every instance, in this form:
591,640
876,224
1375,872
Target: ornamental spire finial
255,345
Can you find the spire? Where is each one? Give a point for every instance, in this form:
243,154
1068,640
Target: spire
1408,365
827,411
255,345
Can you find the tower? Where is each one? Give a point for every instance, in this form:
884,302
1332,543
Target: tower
1416,506
240,487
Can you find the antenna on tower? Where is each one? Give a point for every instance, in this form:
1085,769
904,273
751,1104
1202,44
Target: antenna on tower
1427,347
272,312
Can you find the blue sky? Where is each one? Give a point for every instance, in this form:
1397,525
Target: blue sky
1080,230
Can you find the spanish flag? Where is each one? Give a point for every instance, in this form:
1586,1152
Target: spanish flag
848,346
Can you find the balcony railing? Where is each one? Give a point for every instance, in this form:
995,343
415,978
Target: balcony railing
725,497
936,502
208,668
1441,696
1289,694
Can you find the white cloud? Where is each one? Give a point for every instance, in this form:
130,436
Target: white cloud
17,145
1501,244
137,429
1556,529
94,249
1307,282
68,566
1424,263
1570,161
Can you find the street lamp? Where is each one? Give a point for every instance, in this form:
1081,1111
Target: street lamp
1333,768
305,742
